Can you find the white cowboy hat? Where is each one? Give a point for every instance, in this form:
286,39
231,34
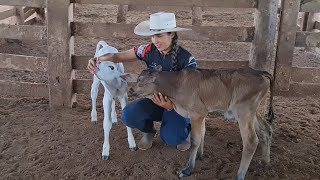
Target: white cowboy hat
159,23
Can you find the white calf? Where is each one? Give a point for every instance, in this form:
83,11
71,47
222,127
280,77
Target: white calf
109,75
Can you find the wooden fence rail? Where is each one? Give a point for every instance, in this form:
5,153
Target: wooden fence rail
28,3
11,88
305,75
23,32
310,6
26,63
307,39
8,13
201,3
233,34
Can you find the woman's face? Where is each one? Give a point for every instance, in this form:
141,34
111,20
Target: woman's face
163,41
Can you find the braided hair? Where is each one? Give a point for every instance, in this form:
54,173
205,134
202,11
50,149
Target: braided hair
174,52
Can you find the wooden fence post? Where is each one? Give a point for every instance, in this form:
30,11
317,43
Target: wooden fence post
264,38
196,16
122,13
59,61
20,15
286,44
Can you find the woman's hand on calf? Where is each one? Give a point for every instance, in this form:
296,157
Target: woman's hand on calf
162,101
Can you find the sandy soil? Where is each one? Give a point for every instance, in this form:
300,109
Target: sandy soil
37,142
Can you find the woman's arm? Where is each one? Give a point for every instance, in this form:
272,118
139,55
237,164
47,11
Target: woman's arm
125,56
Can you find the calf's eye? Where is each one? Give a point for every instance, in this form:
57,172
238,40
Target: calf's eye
111,67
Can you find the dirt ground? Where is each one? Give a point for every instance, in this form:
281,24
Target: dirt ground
37,142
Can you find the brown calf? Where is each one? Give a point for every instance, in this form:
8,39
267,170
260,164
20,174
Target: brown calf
194,93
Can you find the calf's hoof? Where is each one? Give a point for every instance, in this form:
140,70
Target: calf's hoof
105,157
182,174
239,178
94,122
114,124
199,157
134,149
185,172
264,165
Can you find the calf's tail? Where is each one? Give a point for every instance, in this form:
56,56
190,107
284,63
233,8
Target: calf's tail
270,115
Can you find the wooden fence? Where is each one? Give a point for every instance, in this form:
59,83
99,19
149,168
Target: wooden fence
291,80
201,34
23,30
66,66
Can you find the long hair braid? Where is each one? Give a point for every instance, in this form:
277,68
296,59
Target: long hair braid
174,52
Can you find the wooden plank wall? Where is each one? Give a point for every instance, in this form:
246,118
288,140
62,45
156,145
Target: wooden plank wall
21,62
307,39
30,32
118,32
296,81
28,3
310,6
24,89
202,33
25,63
8,13
121,29
286,44
67,69
192,3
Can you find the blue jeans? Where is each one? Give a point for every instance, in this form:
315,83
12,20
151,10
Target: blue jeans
143,112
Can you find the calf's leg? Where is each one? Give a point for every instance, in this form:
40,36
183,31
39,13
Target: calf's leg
201,148
249,139
113,113
197,124
264,131
94,95
132,144
107,102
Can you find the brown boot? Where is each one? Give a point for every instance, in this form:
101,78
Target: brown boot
146,141
185,145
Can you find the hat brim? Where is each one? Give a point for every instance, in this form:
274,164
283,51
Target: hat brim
143,29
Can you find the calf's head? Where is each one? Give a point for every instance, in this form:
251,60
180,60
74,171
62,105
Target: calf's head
146,82
108,71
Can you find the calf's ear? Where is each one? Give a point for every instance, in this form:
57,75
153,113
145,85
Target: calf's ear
129,77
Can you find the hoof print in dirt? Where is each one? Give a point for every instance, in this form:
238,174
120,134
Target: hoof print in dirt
105,157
